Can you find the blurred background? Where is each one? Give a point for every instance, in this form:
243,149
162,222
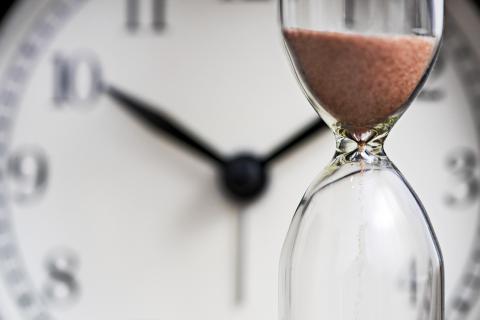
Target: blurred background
152,153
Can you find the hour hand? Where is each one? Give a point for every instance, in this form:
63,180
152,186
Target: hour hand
294,141
164,124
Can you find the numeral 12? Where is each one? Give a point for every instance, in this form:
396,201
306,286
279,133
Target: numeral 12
158,9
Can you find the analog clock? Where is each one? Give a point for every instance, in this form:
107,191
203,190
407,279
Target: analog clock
153,152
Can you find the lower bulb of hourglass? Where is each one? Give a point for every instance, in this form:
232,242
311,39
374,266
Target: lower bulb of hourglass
360,247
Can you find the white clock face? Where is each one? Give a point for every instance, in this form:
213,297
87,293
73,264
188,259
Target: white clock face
103,218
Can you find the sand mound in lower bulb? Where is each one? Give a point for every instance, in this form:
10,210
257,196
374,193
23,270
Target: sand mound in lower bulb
360,80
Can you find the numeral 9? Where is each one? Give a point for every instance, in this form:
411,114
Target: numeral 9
27,172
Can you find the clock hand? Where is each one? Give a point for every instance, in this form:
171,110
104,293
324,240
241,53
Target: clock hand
161,122
245,176
240,252
294,141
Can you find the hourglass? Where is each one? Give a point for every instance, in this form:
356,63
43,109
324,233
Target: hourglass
360,245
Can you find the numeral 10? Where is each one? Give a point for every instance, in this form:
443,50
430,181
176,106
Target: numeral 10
77,78
133,10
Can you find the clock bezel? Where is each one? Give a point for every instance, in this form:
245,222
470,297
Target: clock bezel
18,298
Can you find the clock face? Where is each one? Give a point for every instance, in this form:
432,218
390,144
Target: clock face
102,217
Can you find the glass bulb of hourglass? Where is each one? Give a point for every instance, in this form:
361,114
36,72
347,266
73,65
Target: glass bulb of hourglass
360,245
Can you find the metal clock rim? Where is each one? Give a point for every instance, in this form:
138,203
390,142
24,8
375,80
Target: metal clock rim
12,267
27,52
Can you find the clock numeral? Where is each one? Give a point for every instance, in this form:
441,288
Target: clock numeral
77,79
61,287
431,92
349,12
432,95
158,10
27,172
159,14
132,14
463,166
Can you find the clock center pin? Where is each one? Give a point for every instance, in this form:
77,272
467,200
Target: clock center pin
244,177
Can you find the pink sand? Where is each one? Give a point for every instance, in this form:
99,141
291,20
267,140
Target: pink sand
360,80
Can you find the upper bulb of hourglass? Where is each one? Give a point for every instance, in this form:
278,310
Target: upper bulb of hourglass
361,62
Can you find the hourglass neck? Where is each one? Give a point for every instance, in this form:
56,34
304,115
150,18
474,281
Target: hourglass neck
364,147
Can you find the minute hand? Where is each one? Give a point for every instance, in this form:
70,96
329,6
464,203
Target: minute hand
161,122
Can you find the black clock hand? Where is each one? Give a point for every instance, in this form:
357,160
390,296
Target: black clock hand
294,141
246,176
161,122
